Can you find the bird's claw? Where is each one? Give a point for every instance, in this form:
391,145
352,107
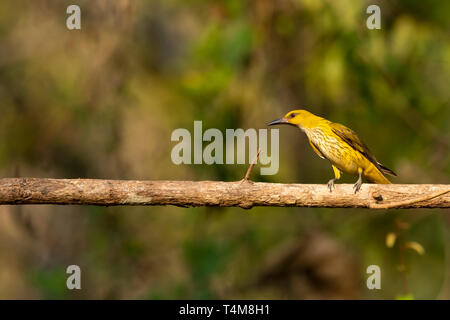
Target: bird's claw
357,186
331,185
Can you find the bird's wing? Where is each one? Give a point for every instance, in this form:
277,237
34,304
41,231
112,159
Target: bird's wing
350,137
316,149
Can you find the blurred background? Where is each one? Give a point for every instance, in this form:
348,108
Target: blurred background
102,102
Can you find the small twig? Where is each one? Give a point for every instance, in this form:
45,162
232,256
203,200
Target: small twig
250,168
408,202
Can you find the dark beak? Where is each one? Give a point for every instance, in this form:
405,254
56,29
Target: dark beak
278,121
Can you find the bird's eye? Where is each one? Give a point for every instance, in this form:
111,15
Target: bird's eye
292,115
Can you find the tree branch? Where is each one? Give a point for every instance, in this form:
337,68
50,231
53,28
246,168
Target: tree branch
222,194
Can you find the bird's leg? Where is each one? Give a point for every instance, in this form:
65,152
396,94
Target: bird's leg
358,183
331,184
337,176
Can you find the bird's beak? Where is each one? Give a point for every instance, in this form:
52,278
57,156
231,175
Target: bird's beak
278,121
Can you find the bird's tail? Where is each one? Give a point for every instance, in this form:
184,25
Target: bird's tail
375,176
387,170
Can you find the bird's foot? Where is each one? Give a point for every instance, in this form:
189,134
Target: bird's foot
331,184
357,185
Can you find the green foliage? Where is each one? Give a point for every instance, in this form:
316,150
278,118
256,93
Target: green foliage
50,282
205,258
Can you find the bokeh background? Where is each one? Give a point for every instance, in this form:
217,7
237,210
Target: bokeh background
101,102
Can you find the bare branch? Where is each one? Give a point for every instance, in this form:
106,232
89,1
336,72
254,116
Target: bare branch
216,193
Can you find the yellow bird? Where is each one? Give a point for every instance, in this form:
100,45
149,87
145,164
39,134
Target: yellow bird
340,145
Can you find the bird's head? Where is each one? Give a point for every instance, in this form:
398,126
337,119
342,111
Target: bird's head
298,118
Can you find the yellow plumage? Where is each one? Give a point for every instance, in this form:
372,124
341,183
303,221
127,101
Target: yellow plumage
340,145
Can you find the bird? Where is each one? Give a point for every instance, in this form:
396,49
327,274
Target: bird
339,145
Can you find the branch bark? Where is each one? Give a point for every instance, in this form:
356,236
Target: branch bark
215,193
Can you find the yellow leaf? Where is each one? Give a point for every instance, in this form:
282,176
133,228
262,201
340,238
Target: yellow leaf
417,247
390,239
